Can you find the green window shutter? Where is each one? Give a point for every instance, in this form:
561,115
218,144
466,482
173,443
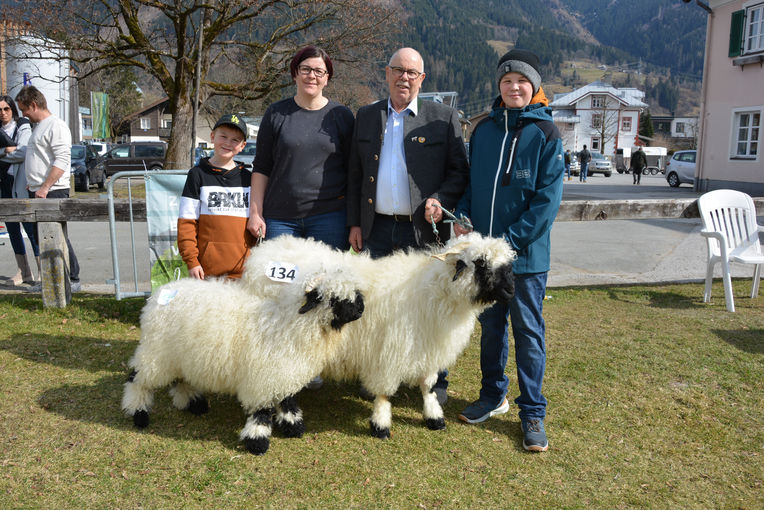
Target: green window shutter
737,31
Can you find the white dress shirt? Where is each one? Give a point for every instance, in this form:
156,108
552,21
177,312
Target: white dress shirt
393,194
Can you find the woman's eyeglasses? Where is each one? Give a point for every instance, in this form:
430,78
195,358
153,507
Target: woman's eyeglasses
6,109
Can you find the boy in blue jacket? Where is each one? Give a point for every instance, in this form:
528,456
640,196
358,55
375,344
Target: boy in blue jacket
515,188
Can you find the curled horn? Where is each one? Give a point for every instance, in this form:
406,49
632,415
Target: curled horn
460,266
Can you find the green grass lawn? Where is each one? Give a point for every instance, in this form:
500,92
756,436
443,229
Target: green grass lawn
656,400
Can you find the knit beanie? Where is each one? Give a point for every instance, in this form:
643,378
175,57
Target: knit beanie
520,61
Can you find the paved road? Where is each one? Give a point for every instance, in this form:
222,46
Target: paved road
583,253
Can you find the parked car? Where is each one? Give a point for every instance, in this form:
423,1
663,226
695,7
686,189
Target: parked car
100,148
133,156
84,170
600,164
680,169
247,154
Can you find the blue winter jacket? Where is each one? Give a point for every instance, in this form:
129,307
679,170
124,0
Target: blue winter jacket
515,187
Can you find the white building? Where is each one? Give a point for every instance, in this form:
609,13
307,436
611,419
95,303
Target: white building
29,60
599,116
732,100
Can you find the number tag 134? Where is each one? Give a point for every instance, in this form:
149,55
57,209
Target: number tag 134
281,272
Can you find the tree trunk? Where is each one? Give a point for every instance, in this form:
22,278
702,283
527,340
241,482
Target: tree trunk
181,143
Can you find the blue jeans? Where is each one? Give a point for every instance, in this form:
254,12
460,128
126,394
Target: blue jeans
388,235
74,264
567,171
13,227
524,311
584,171
329,228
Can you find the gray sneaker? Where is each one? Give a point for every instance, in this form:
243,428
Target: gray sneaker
479,411
534,435
75,286
314,383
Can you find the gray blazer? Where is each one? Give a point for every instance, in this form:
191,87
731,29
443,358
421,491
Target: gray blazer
436,161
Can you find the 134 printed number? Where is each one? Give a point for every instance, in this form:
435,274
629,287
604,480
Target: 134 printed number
281,272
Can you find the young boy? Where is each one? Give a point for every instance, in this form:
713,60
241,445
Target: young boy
214,207
514,192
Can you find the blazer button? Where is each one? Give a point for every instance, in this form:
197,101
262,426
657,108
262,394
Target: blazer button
371,178
376,157
371,201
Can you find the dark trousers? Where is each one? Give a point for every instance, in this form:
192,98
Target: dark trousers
637,175
74,265
386,236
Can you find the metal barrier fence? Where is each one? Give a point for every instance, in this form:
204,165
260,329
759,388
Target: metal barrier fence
116,281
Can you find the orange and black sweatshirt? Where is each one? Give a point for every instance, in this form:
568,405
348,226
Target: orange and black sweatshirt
212,224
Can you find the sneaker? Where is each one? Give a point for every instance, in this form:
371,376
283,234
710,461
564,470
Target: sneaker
479,411
314,383
75,286
534,435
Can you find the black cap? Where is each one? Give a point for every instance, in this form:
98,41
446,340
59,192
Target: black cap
520,61
235,121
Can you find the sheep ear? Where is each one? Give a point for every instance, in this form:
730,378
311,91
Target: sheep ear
312,299
460,266
454,250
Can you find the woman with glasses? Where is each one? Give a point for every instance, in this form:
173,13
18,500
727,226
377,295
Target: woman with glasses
299,176
14,135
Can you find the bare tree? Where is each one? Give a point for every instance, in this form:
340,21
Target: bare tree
241,47
605,120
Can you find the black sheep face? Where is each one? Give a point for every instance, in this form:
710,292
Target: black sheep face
497,284
346,310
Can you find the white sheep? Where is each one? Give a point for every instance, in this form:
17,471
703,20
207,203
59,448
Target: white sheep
216,336
420,310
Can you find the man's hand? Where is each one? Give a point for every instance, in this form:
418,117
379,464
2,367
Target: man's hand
460,231
431,212
42,192
196,272
355,239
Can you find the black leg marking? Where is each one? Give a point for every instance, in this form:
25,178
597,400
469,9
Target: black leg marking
381,433
260,444
141,419
289,419
198,405
435,423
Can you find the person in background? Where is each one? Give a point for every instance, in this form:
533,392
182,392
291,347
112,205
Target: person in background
300,172
47,162
214,207
567,164
14,135
407,159
584,157
514,193
638,163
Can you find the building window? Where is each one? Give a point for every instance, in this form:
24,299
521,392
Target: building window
680,127
145,122
746,136
598,101
626,124
596,144
167,123
596,120
747,31
754,29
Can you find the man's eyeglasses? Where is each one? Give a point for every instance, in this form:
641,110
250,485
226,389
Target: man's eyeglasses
410,73
306,70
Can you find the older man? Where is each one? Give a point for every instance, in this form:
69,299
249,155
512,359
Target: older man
406,157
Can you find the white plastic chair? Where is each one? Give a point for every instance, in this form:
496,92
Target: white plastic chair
732,235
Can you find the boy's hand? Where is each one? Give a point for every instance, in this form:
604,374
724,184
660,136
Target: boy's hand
256,226
196,272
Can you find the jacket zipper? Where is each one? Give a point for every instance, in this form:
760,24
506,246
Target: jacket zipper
498,169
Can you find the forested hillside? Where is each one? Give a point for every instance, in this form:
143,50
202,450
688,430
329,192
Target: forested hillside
461,41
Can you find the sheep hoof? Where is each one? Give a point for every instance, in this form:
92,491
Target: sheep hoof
257,445
291,429
380,432
141,419
435,423
198,405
